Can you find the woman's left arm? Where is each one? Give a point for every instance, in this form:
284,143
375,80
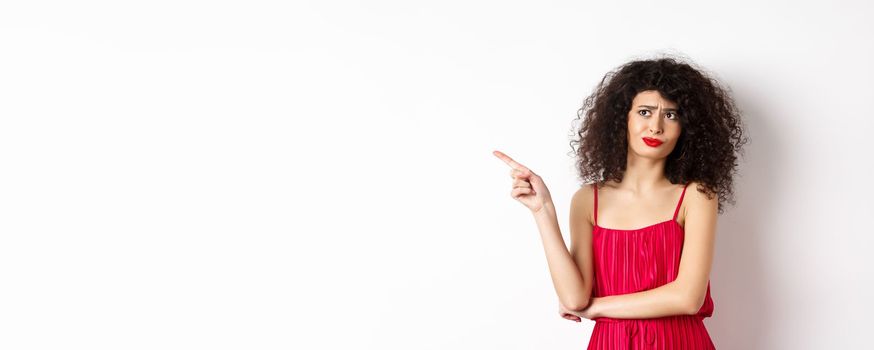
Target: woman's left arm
684,295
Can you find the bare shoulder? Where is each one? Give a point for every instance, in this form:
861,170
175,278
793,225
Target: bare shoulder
697,202
582,203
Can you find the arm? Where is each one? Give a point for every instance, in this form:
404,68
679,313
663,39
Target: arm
581,242
571,271
530,190
684,295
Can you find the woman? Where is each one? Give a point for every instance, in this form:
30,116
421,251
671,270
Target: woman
650,130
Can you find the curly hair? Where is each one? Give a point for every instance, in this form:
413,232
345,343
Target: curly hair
711,127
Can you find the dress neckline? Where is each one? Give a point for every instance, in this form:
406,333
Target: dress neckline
674,219
642,228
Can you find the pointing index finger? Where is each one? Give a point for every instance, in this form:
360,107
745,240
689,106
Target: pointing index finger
512,163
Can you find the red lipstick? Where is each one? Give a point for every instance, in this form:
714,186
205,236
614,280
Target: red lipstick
652,142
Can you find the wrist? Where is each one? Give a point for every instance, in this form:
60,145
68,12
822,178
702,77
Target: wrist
595,307
546,211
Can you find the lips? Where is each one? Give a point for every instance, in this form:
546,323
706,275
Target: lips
652,142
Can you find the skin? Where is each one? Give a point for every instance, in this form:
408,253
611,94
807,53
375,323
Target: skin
645,196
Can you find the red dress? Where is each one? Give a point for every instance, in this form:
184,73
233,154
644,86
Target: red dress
630,261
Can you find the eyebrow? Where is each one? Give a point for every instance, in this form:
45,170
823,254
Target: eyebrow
654,107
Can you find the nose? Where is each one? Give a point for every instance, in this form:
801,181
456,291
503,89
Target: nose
655,126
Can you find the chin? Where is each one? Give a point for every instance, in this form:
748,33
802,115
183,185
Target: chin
652,154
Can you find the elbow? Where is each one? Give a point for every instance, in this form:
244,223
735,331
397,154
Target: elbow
689,300
579,306
582,300
692,305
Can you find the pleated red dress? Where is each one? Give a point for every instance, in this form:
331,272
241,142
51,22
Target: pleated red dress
630,261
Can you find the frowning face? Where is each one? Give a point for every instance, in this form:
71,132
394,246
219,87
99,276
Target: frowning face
653,125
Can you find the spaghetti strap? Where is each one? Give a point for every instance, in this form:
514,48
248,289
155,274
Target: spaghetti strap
676,211
595,188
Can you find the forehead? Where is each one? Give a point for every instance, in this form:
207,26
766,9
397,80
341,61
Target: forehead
652,98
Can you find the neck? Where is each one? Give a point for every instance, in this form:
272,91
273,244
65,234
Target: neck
643,174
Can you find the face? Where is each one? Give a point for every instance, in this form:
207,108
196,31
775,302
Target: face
653,125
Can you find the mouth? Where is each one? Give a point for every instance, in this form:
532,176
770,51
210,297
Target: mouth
652,142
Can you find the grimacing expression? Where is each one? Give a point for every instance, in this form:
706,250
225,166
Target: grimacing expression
652,117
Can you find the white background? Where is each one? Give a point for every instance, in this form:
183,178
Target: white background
318,175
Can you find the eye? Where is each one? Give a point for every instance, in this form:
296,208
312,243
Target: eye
675,117
642,110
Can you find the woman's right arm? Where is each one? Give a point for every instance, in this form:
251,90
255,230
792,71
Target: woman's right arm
581,239
572,278
567,278
570,271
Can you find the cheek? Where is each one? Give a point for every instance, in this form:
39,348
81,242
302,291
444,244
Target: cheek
634,123
676,137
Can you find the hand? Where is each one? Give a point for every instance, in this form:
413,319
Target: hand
568,314
528,187
590,312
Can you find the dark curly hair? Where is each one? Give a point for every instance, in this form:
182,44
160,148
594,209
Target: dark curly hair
711,127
